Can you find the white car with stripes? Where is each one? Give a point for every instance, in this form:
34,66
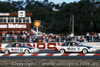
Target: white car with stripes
74,47
19,48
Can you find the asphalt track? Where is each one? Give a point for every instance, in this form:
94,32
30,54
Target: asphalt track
55,57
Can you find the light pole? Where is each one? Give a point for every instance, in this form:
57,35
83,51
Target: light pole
73,24
37,30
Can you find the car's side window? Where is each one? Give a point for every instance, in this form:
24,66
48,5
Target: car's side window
69,44
9,45
19,44
14,45
76,44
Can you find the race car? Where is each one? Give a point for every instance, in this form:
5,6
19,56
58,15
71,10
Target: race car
19,48
74,47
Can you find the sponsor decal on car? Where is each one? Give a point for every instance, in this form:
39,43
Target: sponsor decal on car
16,50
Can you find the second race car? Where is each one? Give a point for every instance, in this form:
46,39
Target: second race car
74,47
20,48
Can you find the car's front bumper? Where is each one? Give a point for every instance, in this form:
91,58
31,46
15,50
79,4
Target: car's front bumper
35,50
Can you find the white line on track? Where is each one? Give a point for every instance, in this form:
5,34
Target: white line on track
73,54
27,54
42,54
13,54
89,54
57,54
1,54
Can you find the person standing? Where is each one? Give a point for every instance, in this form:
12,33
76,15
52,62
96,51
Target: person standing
87,36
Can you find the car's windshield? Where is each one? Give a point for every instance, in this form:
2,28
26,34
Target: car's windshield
81,44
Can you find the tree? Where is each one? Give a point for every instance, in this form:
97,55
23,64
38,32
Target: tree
86,15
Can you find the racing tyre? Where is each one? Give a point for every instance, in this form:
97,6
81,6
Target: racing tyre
27,51
62,51
84,51
6,51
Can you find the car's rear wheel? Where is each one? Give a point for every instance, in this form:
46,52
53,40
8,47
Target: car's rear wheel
84,51
62,51
27,51
6,52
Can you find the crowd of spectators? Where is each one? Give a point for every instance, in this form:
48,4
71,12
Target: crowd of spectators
53,38
89,37
26,36
95,37
19,36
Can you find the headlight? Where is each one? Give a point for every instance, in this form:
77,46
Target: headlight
91,48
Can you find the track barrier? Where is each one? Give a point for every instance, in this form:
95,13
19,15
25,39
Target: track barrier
53,45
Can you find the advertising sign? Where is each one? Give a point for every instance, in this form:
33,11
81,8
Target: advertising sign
14,26
4,14
21,13
37,23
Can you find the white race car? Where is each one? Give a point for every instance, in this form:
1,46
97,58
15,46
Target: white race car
19,47
74,47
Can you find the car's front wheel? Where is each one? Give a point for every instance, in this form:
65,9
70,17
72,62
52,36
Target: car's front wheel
6,52
84,51
62,51
27,51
